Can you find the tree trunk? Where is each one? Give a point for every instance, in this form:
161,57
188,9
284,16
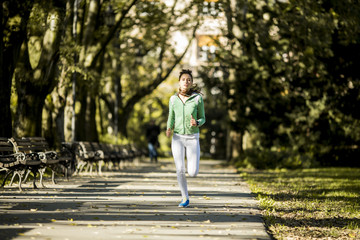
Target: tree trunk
81,117
236,143
91,135
55,116
58,102
85,120
35,76
9,53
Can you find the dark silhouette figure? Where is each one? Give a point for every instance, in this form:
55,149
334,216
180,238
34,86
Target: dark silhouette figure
152,133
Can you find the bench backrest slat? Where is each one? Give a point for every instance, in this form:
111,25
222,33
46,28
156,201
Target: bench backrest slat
21,145
6,148
37,144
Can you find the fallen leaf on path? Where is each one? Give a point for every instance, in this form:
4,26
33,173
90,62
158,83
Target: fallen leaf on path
352,235
206,197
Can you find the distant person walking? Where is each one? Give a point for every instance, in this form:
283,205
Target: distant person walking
186,115
152,133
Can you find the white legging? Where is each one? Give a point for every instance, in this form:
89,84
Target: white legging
190,145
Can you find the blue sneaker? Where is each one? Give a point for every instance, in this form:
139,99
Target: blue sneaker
184,203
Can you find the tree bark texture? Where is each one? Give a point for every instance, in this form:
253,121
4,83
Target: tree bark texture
35,74
85,119
9,53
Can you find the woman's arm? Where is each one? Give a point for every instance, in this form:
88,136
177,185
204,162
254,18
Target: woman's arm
201,112
171,118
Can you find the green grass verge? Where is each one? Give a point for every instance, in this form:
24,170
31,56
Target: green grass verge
322,203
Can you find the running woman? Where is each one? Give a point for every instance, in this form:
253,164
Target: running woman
186,115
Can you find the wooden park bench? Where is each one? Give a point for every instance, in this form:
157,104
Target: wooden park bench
38,157
67,159
58,162
104,156
113,157
137,152
31,161
86,155
10,162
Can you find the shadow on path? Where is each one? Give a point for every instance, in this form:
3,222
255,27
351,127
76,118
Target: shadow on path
136,203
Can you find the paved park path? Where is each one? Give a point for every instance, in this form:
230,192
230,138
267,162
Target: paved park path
139,202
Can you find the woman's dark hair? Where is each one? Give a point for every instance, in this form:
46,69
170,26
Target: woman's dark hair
194,87
186,71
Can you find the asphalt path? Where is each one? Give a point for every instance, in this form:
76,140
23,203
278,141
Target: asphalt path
138,202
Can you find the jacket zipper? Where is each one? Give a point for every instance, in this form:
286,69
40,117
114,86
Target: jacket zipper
183,112
184,118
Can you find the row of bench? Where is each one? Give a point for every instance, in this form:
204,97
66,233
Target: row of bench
20,157
101,155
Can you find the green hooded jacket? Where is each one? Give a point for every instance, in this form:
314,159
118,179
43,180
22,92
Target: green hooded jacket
180,113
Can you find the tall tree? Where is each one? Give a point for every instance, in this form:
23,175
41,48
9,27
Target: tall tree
142,30
147,52
14,17
291,73
93,45
37,65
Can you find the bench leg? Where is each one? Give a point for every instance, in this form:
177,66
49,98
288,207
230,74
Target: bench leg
99,166
71,168
5,178
26,176
81,166
89,168
19,175
34,171
53,176
41,172
16,173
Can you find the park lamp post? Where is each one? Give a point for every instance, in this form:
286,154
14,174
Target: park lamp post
110,22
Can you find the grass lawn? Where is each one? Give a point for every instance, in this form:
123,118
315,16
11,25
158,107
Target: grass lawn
321,203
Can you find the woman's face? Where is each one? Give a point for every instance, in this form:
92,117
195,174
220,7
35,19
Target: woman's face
185,82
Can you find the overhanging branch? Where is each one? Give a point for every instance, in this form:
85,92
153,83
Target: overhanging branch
117,27
160,77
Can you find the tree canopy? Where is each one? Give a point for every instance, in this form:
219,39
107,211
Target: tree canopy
291,78
285,71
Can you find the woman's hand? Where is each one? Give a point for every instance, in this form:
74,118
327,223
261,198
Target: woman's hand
168,132
193,122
